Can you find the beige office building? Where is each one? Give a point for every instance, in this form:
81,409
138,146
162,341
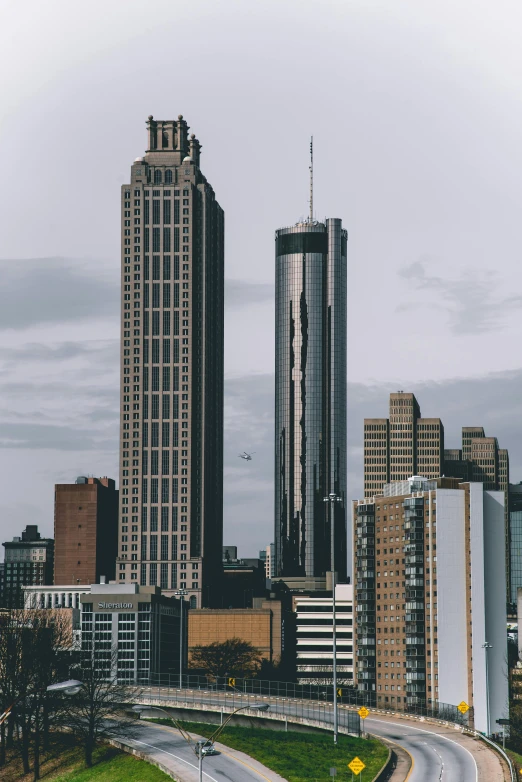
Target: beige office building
171,459
403,445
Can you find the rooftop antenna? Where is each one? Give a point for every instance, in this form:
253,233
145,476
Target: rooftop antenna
311,179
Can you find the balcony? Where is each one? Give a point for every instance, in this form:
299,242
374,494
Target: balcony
418,676
415,606
414,640
368,641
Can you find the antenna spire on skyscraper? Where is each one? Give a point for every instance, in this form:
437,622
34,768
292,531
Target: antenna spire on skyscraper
311,179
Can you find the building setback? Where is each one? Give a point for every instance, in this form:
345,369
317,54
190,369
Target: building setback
429,593
171,440
310,399
28,560
85,530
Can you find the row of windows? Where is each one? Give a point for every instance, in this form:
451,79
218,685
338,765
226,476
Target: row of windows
154,490
157,299
153,356
165,406
155,464
166,378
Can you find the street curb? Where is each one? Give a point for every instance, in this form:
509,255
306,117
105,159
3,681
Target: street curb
385,768
142,756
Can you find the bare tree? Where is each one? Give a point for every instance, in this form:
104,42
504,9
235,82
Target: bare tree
33,653
97,711
234,657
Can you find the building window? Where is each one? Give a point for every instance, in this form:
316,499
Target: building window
154,491
166,354
165,471
156,295
154,463
166,320
166,240
144,519
157,177
153,574
165,434
165,521
144,490
168,177
156,243
155,402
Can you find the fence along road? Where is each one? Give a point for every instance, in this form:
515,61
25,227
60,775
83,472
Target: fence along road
438,751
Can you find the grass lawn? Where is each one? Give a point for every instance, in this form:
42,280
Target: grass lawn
300,757
65,763
517,760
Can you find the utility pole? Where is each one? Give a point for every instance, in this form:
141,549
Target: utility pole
181,593
486,646
331,500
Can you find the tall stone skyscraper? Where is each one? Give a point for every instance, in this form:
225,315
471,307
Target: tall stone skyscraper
171,452
310,406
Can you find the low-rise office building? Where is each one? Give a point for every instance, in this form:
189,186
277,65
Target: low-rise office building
131,631
314,637
429,597
54,596
267,626
29,559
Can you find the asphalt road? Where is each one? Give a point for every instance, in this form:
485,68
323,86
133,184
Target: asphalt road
168,747
440,753
436,755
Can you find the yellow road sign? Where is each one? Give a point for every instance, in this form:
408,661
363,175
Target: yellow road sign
231,682
363,712
339,692
356,766
463,707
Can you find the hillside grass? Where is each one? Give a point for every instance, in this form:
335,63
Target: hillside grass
298,757
64,763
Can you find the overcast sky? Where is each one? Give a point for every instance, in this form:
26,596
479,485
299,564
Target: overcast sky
416,112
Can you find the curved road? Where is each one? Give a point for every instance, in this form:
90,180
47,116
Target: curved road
440,753
167,746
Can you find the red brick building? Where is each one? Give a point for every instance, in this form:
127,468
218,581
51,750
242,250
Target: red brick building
85,530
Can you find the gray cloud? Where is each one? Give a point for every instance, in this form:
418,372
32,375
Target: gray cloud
470,301
62,438
54,290
106,351
240,293
63,290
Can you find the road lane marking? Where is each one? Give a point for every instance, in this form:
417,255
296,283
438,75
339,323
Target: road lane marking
173,756
432,733
388,741
246,764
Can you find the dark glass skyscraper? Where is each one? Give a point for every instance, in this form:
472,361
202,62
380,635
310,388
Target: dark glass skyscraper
310,409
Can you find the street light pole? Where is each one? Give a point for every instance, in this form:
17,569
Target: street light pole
331,500
487,646
181,594
200,744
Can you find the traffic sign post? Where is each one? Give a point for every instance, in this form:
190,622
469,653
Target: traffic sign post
503,722
231,682
333,772
363,713
356,766
463,707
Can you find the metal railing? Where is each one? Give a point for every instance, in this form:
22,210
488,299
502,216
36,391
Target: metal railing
320,713
350,696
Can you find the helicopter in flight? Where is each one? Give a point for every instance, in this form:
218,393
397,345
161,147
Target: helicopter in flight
246,456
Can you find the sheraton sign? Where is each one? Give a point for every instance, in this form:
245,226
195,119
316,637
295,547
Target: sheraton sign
115,605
